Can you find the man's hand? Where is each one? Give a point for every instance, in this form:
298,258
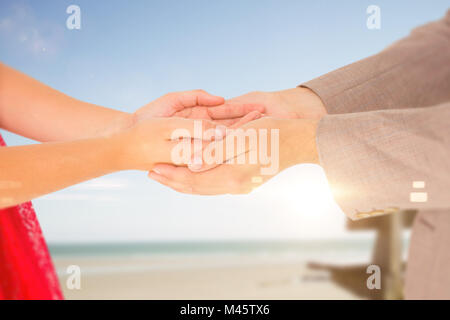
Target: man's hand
296,103
197,104
296,145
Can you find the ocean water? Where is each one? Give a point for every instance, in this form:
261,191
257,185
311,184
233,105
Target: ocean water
336,250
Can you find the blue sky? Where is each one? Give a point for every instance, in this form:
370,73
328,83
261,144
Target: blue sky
128,53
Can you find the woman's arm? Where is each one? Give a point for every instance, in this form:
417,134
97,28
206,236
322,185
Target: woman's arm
27,172
34,110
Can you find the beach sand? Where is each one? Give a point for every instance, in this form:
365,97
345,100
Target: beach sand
196,277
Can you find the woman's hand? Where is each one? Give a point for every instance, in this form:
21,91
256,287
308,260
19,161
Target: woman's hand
27,172
34,110
152,140
197,104
296,144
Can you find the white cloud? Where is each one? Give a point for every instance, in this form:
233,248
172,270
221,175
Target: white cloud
78,196
20,27
90,191
101,184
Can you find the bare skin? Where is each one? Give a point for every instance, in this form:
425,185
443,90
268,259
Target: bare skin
296,145
85,141
295,103
35,110
295,112
30,171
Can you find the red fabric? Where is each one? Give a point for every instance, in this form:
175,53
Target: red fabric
26,269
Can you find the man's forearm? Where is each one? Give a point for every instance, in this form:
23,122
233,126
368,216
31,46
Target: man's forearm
34,110
371,159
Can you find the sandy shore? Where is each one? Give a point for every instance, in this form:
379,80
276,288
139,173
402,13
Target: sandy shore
196,277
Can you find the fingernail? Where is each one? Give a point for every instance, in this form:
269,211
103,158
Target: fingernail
156,171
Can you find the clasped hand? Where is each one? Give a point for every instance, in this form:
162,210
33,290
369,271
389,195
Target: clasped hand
254,137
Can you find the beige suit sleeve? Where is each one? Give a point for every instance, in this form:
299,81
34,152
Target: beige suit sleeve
372,158
413,72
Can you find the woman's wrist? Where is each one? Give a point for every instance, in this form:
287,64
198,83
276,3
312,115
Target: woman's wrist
136,147
126,149
119,122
